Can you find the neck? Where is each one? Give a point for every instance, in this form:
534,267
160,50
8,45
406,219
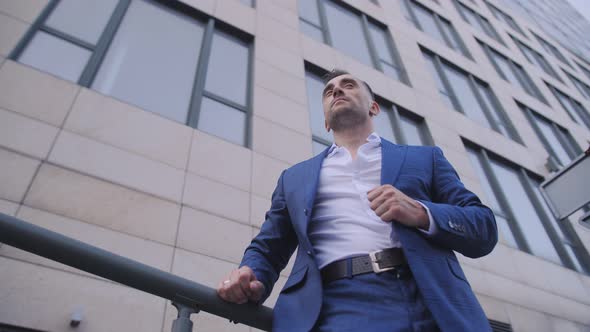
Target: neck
352,138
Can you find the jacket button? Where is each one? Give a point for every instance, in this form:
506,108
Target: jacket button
306,212
309,253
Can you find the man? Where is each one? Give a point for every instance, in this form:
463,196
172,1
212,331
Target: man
376,225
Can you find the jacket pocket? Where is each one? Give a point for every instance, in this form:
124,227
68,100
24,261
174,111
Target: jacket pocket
295,280
456,269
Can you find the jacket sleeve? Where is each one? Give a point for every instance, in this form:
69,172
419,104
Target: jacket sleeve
269,252
463,223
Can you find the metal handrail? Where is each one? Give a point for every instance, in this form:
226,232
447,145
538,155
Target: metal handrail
188,296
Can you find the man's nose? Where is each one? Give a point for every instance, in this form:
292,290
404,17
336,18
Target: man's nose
337,91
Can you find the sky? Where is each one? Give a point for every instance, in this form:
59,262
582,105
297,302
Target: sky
583,6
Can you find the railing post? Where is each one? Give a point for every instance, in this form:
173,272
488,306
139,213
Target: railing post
183,322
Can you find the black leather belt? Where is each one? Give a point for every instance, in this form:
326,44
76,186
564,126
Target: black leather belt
377,261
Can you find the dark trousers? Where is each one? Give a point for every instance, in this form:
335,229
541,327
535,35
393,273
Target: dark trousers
389,301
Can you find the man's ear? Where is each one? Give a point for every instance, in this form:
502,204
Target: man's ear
374,108
326,125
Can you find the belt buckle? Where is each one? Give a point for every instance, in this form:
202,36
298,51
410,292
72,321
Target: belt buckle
375,263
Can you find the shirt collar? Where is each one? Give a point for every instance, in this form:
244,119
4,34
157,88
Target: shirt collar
373,139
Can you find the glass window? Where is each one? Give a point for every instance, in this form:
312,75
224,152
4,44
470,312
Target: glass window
83,19
502,16
491,200
466,96
524,211
318,147
404,5
309,11
469,95
149,55
389,62
249,3
311,31
505,70
223,121
427,23
453,37
411,130
227,72
551,137
477,21
581,86
536,58
145,71
315,86
309,19
572,107
56,56
511,72
584,70
346,32
400,126
353,33
522,216
444,93
383,123
489,100
553,50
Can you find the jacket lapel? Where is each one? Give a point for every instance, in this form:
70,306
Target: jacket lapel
392,159
311,180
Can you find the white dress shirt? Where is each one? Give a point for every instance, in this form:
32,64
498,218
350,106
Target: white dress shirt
343,223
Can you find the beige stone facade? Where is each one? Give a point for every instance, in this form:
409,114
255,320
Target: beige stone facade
133,182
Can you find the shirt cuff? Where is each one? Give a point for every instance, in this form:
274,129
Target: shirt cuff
432,228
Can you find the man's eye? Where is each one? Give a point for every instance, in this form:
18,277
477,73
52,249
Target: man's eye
328,93
349,85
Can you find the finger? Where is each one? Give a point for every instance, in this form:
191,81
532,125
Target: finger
371,194
380,210
377,201
244,282
236,294
257,290
221,291
234,289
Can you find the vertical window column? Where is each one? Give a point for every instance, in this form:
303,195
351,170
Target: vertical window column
512,72
469,96
353,33
522,215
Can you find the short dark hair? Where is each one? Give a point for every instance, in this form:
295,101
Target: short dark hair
339,72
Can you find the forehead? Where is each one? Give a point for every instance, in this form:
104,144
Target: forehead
345,77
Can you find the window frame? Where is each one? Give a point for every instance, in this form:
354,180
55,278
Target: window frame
524,80
474,83
526,178
366,20
501,15
580,110
486,26
551,49
396,120
562,134
100,51
585,70
582,87
540,60
439,21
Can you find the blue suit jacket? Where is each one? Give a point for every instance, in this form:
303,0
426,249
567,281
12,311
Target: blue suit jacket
464,225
